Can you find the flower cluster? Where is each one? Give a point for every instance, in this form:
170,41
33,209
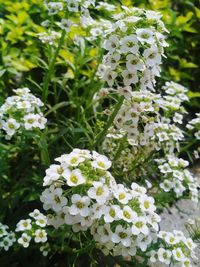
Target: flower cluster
176,249
32,229
21,111
194,125
127,223
176,91
140,119
49,37
7,238
82,193
176,177
135,46
137,116
76,6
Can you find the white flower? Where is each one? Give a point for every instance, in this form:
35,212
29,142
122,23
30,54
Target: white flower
139,226
178,118
109,76
104,232
72,159
99,192
122,235
161,39
41,220
72,5
138,190
24,225
165,168
129,44
127,214
56,200
134,63
113,60
40,236
162,136
101,162
171,239
121,194
153,219
111,213
105,6
24,240
178,254
166,185
186,263
74,178
190,244
143,241
6,243
35,214
66,24
54,7
152,56
80,205
53,173
30,121
164,255
153,256
41,121
111,44
145,36
147,203
10,126
129,77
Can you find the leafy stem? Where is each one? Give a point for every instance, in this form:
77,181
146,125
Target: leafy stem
101,135
48,76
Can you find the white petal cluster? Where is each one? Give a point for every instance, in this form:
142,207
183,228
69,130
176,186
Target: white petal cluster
54,7
32,229
82,193
176,91
177,250
141,119
7,238
176,177
194,125
49,37
77,5
21,111
135,46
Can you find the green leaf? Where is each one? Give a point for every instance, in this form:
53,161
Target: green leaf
2,72
193,94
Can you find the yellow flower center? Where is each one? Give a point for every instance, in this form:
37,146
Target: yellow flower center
74,179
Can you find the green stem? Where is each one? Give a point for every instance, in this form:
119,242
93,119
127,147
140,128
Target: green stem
101,135
121,146
51,68
191,143
42,144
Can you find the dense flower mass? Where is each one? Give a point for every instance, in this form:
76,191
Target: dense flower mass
177,177
135,46
7,237
82,193
175,249
21,112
